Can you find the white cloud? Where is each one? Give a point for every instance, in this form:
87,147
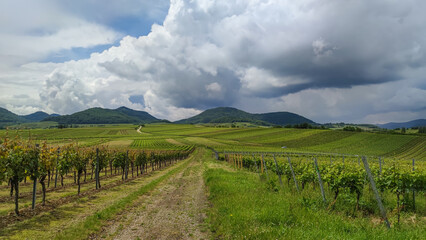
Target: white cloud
42,28
327,60
214,87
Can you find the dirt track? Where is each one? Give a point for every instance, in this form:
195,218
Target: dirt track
174,210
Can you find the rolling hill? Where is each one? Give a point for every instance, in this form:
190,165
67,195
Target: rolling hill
141,115
9,118
283,118
410,124
229,115
38,116
105,116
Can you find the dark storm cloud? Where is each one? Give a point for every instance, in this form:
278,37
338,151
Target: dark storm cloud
196,91
345,45
272,55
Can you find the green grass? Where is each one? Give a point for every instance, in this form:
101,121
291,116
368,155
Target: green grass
243,207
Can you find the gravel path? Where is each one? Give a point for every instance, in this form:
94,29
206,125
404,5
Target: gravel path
174,210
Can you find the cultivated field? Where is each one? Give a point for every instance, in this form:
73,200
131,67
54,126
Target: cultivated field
264,185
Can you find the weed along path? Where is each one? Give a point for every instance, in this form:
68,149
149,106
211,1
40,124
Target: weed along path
176,209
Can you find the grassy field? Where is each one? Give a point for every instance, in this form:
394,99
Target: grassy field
245,207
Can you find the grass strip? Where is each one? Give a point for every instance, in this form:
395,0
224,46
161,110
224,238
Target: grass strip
94,222
243,207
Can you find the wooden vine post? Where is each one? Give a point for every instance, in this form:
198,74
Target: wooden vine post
34,193
320,180
278,171
35,185
126,165
266,170
376,193
292,173
57,161
414,192
237,161
97,169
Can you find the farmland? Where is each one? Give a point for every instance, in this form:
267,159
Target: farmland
257,139
247,169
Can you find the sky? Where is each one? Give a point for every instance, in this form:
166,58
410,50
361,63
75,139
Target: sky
354,61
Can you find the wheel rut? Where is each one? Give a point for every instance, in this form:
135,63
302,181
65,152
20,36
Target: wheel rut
176,209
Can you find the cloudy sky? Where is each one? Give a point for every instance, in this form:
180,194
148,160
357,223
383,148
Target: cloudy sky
329,60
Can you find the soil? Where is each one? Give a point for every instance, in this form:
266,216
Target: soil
176,209
27,213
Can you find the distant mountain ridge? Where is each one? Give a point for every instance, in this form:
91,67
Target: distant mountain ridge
230,115
410,124
8,118
38,116
105,116
214,115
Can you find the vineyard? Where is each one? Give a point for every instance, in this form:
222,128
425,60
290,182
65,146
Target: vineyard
270,183
159,144
337,175
297,140
24,165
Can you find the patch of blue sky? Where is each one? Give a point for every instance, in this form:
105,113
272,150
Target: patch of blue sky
137,99
77,53
131,25
134,26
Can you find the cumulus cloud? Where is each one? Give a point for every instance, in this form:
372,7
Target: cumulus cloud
45,29
328,60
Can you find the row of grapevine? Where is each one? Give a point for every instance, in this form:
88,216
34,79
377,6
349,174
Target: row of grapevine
158,144
340,176
21,160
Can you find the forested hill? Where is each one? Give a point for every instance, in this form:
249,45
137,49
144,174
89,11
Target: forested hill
230,115
9,118
105,116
